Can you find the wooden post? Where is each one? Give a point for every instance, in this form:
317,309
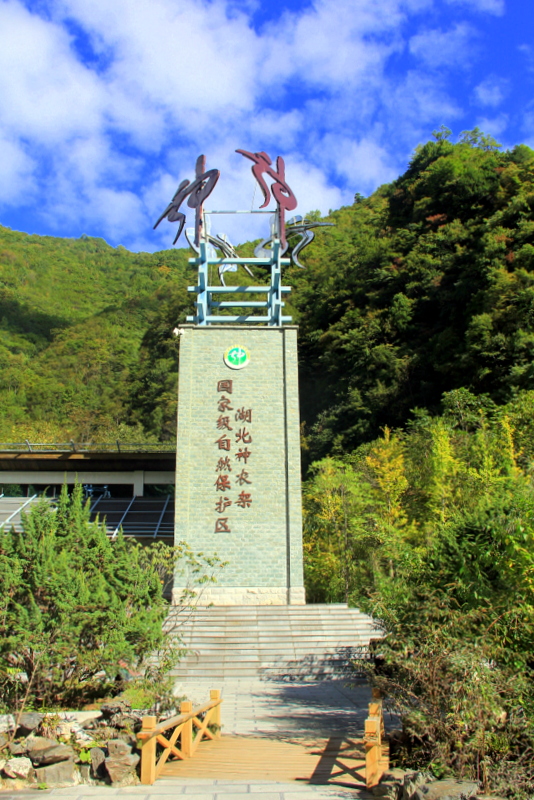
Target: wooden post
216,695
376,755
148,752
187,731
373,748
372,772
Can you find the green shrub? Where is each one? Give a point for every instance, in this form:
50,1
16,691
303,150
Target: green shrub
74,605
466,710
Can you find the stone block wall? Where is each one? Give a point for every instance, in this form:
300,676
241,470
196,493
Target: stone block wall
238,487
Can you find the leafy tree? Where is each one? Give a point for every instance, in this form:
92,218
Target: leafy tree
441,553
337,530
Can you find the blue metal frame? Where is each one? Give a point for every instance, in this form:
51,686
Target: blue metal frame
206,305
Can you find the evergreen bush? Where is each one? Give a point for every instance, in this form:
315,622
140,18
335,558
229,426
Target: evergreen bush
75,606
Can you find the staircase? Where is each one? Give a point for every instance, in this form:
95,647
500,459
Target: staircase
271,642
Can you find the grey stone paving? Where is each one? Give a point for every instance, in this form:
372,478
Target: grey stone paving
284,709
198,790
252,707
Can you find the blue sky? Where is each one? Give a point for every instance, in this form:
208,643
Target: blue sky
105,106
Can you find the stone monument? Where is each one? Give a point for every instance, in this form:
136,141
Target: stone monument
238,483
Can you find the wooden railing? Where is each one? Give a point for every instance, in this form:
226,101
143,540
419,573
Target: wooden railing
376,748
152,734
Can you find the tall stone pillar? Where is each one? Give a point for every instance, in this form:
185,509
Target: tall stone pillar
238,485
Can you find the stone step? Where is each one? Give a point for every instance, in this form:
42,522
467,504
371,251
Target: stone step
264,658
282,640
275,623
348,613
245,647
336,637
276,612
273,630
271,642
272,670
261,644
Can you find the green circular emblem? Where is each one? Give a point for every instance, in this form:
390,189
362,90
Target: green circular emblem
236,357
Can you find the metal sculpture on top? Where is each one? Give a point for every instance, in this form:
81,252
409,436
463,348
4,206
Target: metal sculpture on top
269,252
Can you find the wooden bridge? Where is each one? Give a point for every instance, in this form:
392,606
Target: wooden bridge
168,749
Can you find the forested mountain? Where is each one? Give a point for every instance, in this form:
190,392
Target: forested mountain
73,314
425,287
420,289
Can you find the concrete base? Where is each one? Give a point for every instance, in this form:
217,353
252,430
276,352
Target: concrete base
246,596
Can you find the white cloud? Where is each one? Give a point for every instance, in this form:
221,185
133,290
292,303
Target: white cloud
494,126
528,52
268,126
415,103
16,173
334,43
363,164
490,92
46,93
436,47
105,140
177,57
496,7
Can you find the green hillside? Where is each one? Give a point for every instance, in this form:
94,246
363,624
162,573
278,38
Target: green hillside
72,317
425,287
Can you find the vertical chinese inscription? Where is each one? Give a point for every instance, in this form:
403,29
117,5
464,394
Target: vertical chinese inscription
232,475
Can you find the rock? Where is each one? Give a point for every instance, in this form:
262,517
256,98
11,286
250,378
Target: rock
64,728
446,790
391,785
61,774
118,747
44,752
121,766
129,738
7,723
394,774
84,718
34,745
52,755
389,790
18,748
412,780
85,773
81,717
132,779
18,768
98,757
3,740
28,722
115,707
81,737
120,715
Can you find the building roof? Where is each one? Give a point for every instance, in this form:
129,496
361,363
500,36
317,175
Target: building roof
84,447
142,517
139,517
11,509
